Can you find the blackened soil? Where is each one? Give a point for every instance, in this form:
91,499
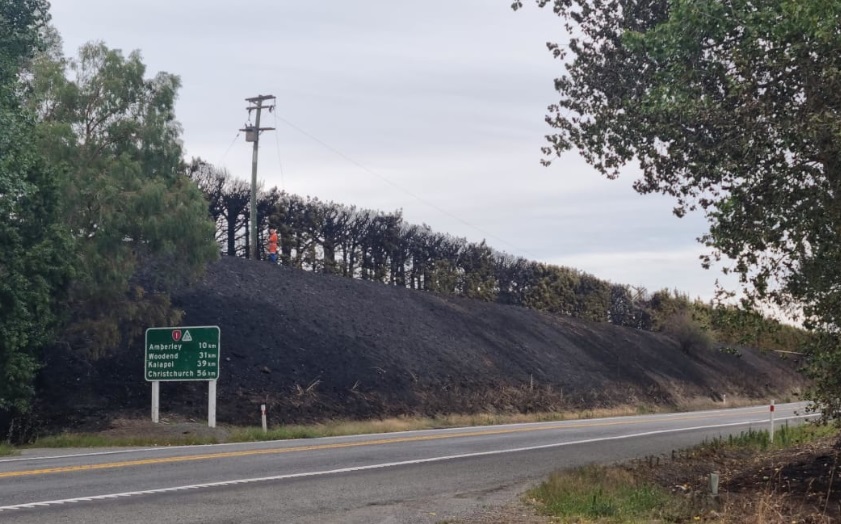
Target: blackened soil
315,347
797,484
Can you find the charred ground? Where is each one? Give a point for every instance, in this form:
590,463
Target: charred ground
315,347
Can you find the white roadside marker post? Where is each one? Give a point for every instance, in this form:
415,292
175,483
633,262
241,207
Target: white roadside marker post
156,401
772,422
263,418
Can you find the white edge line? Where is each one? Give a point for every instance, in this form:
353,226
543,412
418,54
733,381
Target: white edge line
288,476
395,434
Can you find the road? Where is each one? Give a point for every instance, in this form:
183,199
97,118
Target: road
412,477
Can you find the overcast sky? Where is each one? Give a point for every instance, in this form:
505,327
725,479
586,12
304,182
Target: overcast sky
442,103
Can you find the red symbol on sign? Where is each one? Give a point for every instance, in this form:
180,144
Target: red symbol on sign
176,335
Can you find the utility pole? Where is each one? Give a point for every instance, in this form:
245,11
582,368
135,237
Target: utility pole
252,134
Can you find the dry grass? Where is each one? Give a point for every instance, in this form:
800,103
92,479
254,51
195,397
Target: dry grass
601,493
734,401
137,432
762,484
395,424
94,440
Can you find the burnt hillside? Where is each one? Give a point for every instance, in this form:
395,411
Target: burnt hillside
315,346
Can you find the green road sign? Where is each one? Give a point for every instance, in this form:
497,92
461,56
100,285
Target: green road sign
182,353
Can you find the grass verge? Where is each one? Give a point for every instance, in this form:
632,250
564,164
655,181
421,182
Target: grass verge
760,440
326,429
605,494
7,450
621,494
93,440
149,437
391,425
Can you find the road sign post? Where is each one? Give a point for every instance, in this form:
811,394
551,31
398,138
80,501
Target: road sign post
156,401
211,403
183,353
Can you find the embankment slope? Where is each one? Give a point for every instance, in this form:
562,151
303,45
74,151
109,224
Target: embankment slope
314,347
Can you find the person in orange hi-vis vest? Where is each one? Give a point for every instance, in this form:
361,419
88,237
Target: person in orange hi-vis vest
273,246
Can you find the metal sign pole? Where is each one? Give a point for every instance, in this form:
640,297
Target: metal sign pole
156,401
211,403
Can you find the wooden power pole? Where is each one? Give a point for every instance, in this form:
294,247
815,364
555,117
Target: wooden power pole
252,134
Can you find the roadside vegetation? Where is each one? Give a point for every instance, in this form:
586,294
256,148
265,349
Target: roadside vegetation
705,105
391,425
180,433
787,480
93,440
608,493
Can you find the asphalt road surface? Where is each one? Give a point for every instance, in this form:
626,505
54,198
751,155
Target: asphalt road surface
409,477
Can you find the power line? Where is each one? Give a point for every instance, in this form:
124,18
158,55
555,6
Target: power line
399,187
222,161
277,143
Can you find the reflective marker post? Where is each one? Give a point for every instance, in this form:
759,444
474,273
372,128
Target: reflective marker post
772,422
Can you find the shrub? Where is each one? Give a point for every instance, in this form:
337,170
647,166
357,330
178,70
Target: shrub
689,333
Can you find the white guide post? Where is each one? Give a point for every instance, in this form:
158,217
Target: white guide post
714,483
263,418
211,403
156,401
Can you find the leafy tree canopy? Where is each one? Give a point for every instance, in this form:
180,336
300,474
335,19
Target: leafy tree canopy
732,107
21,25
140,223
33,270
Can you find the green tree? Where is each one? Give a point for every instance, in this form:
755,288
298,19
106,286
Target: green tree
477,279
732,107
551,289
33,270
141,225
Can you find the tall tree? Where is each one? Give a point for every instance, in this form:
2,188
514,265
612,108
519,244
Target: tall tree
732,107
333,230
477,279
236,194
212,182
130,207
33,240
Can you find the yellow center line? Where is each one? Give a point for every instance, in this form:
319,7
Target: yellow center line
338,445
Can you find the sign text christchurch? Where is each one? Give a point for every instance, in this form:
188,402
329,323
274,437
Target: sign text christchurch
182,353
